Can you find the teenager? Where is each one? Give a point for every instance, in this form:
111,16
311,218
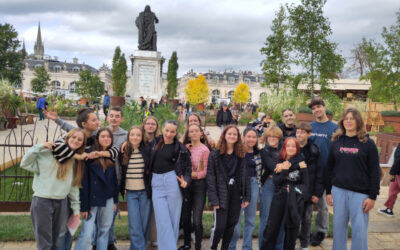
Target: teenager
288,126
170,170
224,116
195,195
394,187
254,170
194,118
322,131
135,185
270,157
352,180
56,176
228,185
315,179
99,193
291,179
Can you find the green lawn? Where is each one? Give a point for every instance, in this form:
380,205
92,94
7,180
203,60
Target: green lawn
19,227
16,188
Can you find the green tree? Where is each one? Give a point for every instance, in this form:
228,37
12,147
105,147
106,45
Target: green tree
384,72
310,32
11,59
171,76
276,66
118,72
89,85
40,83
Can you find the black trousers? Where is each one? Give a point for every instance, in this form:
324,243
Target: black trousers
193,203
225,220
105,109
277,214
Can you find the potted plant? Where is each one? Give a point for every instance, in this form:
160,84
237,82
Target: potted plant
304,114
391,118
119,78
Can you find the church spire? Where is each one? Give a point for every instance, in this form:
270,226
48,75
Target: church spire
39,47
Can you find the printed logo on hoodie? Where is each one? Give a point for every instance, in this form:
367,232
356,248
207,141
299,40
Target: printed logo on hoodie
344,150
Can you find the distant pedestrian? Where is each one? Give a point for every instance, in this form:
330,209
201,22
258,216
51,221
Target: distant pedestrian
143,103
106,103
224,116
40,106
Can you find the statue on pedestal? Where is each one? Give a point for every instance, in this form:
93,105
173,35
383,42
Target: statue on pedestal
147,33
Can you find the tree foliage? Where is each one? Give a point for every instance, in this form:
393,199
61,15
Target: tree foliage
384,72
40,83
310,31
118,71
89,85
197,90
241,93
172,76
276,66
11,59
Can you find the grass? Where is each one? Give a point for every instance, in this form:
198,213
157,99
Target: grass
15,188
19,227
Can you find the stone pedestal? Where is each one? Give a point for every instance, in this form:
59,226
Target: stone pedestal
146,76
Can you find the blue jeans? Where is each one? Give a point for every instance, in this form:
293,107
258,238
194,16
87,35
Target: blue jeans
249,219
347,205
111,235
139,210
167,203
104,220
267,193
65,240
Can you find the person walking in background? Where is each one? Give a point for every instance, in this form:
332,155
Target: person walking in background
106,103
40,106
352,177
224,116
143,103
152,106
322,131
394,188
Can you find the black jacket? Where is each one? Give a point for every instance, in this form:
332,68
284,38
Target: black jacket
395,170
269,159
285,132
145,151
217,180
220,116
181,157
315,172
353,165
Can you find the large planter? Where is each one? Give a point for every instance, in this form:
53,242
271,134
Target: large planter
392,121
200,106
304,117
173,102
83,101
117,101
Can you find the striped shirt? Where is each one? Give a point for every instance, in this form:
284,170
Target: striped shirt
135,172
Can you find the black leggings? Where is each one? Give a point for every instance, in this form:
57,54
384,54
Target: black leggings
194,201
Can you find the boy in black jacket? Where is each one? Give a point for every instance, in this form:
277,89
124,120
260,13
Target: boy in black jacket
315,177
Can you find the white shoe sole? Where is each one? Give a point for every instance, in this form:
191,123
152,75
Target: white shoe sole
388,215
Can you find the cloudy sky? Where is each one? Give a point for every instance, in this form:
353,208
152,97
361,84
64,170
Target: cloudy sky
206,34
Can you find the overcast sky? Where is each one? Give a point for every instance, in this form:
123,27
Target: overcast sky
206,34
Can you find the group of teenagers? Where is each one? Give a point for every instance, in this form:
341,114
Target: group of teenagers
320,163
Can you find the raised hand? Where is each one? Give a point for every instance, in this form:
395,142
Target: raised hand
49,145
182,181
52,115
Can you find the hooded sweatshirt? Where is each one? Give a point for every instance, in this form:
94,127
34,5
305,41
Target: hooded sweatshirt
353,165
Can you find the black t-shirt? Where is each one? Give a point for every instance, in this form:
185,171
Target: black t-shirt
251,164
163,160
230,166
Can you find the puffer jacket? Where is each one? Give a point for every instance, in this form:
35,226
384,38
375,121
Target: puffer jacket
217,180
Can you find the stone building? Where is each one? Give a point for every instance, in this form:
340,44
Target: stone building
63,75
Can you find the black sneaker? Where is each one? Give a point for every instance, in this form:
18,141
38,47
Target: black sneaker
317,239
111,247
387,211
184,247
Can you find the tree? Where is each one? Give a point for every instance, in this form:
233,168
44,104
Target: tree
277,49
361,61
89,85
310,31
384,72
40,83
118,72
197,90
241,94
11,59
171,76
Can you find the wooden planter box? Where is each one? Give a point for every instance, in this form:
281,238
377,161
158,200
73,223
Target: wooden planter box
117,101
392,121
304,117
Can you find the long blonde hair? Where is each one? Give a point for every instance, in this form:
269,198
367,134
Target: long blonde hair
361,132
78,166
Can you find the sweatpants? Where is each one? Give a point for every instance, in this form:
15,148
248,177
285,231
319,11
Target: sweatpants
275,219
193,202
225,220
48,219
394,189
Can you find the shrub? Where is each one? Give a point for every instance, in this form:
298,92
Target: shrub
304,109
388,129
390,113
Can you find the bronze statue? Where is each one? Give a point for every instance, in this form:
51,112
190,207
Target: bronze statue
147,32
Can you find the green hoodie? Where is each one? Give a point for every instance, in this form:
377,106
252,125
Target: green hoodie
42,163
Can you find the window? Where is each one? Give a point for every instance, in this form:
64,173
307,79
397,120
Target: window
247,81
231,80
72,87
75,69
250,96
56,85
38,65
230,94
216,79
57,68
215,94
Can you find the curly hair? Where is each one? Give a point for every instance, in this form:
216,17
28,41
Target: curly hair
360,127
222,146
